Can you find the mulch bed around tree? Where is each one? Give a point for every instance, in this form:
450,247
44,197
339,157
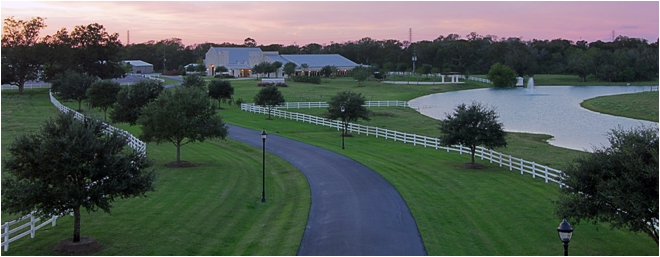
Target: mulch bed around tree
476,166
87,245
181,164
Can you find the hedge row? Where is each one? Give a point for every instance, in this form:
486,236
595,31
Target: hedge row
306,79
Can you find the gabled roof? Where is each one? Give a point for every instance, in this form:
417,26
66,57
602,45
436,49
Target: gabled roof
237,54
318,60
137,63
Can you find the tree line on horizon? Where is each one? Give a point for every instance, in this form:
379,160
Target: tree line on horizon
91,49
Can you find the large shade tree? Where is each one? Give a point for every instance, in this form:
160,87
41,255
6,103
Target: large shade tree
21,58
353,105
102,94
68,165
269,97
131,100
181,116
72,85
616,184
220,90
472,125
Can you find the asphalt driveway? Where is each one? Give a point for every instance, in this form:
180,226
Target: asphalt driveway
354,210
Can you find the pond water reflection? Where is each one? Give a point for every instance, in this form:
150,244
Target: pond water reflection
552,110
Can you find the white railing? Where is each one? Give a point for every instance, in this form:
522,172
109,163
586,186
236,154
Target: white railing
131,140
310,105
480,80
26,225
536,170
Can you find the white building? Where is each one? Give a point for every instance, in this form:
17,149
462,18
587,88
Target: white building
141,67
240,60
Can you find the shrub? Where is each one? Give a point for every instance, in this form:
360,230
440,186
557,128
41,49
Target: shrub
306,79
172,73
281,84
239,101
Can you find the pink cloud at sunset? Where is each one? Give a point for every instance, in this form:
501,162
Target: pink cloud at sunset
340,21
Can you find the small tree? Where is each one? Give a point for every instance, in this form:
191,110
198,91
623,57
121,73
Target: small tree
472,125
268,68
360,74
289,69
616,184
194,81
258,69
353,108
269,97
221,69
103,95
70,164
220,90
73,86
501,75
132,99
181,116
304,66
276,66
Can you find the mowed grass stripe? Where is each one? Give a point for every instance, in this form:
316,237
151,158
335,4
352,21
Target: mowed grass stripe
207,210
492,211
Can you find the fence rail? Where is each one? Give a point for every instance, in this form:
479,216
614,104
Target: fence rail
310,105
26,225
518,164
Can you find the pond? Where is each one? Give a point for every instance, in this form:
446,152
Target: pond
552,110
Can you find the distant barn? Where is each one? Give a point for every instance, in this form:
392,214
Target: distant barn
140,67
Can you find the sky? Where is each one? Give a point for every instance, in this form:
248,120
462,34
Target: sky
326,22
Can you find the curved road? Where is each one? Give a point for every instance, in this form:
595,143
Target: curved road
354,210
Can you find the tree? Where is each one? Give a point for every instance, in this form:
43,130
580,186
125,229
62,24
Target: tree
221,69
87,49
472,125
305,66
354,109
501,75
72,85
181,116
132,99
249,42
102,94
360,74
258,69
20,56
193,81
220,90
276,65
289,69
616,184
70,164
268,68
269,97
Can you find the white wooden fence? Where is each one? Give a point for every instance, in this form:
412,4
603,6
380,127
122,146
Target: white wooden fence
26,225
310,105
534,169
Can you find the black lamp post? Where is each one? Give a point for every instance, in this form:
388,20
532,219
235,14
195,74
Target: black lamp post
565,233
263,170
344,125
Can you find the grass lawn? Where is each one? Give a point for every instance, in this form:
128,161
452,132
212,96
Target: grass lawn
643,105
492,211
573,80
214,209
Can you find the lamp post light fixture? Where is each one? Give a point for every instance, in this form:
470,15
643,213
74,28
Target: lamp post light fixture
263,170
414,59
565,232
344,125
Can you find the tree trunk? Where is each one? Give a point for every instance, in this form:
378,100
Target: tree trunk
178,153
76,224
473,149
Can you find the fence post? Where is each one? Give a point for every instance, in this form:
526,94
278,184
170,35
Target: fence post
491,155
32,225
546,174
6,241
533,170
510,164
521,166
